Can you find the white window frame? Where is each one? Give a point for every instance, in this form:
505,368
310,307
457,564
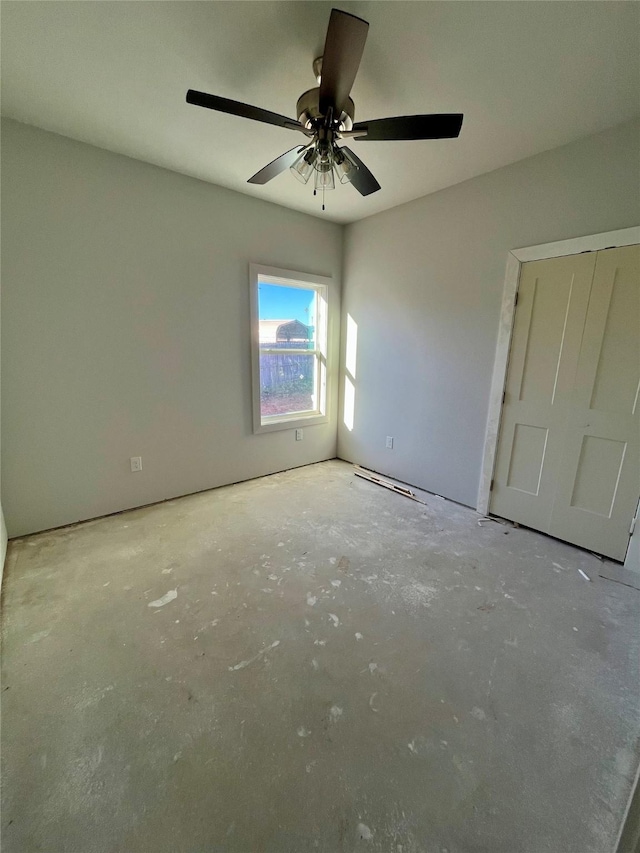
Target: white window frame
259,274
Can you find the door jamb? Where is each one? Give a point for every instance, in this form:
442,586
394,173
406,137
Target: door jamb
515,259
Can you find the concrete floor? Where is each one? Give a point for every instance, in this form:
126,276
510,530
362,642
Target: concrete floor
309,662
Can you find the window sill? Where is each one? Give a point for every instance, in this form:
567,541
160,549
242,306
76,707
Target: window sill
279,422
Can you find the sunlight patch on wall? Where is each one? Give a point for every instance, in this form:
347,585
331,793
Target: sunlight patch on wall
349,403
350,377
352,346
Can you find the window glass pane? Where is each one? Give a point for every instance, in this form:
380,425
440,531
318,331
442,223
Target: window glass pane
287,383
287,317
287,321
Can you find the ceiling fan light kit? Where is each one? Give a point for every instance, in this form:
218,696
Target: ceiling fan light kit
325,162
326,116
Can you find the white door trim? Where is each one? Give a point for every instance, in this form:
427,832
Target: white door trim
515,259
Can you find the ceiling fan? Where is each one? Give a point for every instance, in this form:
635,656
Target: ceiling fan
326,113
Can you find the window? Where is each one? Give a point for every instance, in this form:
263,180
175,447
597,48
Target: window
289,340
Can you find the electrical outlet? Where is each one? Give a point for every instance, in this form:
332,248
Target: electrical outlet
136,463
389,442
298,435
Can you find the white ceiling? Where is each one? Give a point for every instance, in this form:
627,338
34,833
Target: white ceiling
528,76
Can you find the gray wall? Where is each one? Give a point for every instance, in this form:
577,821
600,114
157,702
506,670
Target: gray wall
3,533
3,545
423,282
126,330
125,319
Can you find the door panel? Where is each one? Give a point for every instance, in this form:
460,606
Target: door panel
599,475
553,297
527,458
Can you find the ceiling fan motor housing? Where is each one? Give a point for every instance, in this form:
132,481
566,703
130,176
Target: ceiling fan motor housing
308,111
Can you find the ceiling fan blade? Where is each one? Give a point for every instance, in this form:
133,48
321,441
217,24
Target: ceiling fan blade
362,180
236,108
343,48
276,166
437,126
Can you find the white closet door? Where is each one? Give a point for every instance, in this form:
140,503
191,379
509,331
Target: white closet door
568,459
599,474
553,296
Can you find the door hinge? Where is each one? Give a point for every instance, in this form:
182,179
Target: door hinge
515,301
504,397
492,485
633,526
